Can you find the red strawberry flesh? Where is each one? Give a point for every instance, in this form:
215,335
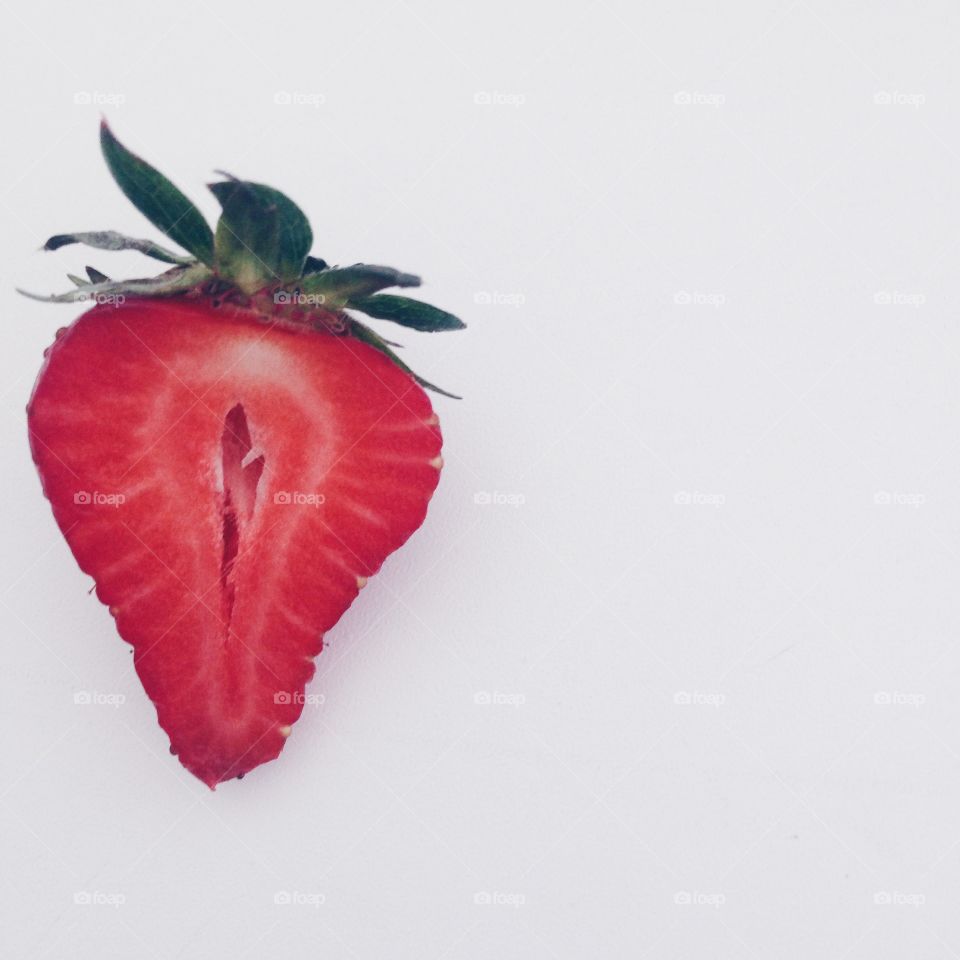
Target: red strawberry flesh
229,484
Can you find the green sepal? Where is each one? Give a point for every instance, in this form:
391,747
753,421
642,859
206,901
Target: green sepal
157,198
261,245
406,312
176,281
262,236
96,276
362,332
338,285
111,240
314,265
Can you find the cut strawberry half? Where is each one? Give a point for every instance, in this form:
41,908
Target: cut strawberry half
230,454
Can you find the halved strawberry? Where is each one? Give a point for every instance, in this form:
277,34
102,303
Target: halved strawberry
230,459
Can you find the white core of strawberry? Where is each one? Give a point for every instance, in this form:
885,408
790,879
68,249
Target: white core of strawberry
242,469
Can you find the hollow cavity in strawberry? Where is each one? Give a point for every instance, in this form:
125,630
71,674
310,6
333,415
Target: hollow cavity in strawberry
230,454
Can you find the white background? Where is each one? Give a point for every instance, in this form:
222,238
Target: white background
708,258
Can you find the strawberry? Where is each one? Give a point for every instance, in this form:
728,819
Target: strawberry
230,454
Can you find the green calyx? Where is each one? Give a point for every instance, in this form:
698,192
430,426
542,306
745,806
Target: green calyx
259,252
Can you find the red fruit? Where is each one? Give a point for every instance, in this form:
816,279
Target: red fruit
230,471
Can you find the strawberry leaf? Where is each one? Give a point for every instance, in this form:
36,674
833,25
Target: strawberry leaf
157,198
111,240
364,333
176,281
96,276
406,312
314,265
262,235
341,284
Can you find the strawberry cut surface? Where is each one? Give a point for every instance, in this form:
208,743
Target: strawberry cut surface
229,484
